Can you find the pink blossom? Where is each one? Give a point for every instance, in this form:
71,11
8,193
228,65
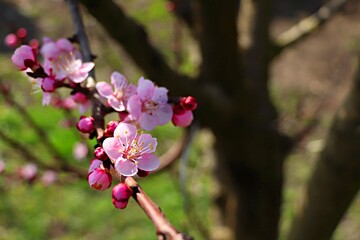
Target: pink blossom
130,150
85,124
28,172
49,177
122,91
182,120
63,61
99,179
24,57
149,106
80,151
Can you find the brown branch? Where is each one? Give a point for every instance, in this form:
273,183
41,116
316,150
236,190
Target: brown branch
164,229
308,25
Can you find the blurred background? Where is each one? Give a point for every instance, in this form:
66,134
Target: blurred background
309,79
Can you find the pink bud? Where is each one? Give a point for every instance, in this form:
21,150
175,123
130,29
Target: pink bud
11,40
79,97
100,154
178,109
48,84
120,204
48,178
182,120
121,192
94,164
68,103
28,172
85,124
110,128
24,57
99,179
21,33
34,43
189,103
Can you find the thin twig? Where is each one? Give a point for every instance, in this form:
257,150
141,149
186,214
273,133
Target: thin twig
308,25
163,227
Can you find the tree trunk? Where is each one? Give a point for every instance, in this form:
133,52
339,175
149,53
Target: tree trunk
336,178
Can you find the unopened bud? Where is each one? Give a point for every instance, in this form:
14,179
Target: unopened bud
182,120
99,179
11,40
48,85
79,97
189,103
120,204
121,192
100,154
110,128
85,124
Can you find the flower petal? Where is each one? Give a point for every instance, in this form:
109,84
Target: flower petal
104,89
147,121
145,89
64,44
126,168
160,95
163,114
87,67
116,104
113,148
148,162
125,132
134,106
147,142
118,80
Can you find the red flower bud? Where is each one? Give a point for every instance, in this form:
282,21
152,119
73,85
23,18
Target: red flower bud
85,124
99,179
100,154
189,103
110,128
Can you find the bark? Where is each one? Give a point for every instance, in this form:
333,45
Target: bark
336,178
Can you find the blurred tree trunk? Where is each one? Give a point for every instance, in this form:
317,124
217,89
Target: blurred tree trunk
336,178
233,95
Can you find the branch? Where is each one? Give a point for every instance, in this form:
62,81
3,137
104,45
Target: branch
308,25
163,227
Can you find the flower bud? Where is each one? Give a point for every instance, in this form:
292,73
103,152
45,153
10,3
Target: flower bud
21,33
182,120
49,177
28,172
189,103
120,204
100,154
121,192
110,128
11,40
79,97
99,179
85,124
48,85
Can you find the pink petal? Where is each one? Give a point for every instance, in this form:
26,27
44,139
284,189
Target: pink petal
148,162
145,89
113,148
64,44
129,91
160,95
49,50
118,80
134,106
78,77
126,167
104,89
146,140
147,121
87,67
125,132
163,114
94,164
116,104
46,98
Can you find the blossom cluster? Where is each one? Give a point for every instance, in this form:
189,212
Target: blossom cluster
123,148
